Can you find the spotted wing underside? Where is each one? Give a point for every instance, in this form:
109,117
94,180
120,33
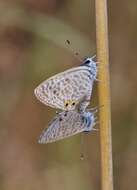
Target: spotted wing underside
74,84
67,124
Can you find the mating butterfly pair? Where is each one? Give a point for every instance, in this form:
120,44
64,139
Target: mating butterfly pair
69,91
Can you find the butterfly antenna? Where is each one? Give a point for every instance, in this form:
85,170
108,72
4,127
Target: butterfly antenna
76,54
82,146
94,57
95,109
96,123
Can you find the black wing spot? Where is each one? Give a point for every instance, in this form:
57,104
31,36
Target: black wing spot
54,91
66,104
65,114
60,119
87,61
73,104
67,80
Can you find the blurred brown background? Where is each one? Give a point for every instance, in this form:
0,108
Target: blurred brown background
32,48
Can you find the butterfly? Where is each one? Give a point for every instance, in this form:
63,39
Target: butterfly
69,90
68,123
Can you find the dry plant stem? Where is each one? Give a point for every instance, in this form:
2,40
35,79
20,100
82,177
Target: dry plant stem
104,95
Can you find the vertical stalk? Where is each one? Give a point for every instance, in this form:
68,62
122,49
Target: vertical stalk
104,94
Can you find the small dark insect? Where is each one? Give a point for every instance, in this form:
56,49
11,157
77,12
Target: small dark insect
68,41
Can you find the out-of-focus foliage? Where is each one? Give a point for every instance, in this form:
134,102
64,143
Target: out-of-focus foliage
33,47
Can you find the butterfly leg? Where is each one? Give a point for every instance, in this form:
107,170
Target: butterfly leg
82,147
96,122
95,109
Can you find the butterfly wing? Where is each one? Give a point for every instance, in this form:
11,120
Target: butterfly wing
66,90
67,124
